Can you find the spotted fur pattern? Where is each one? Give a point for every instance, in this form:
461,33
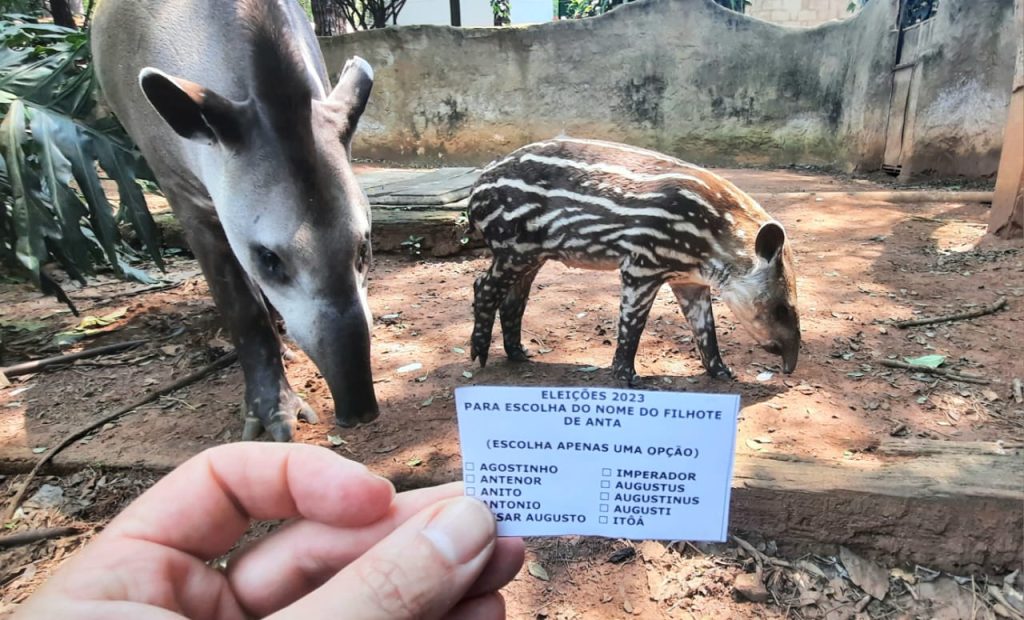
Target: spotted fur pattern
658,220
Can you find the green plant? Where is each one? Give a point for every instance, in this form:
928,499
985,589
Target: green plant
54,207
413,245
502,12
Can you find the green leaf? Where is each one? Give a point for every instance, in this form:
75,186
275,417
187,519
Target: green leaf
29,245
538,571
77,148
119,165
56,178
926,361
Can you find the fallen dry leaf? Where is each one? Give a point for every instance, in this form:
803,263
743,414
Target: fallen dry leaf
537,571
870,577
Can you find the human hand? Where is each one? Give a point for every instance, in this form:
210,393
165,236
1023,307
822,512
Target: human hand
354,549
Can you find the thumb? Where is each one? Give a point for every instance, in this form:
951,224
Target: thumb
421,570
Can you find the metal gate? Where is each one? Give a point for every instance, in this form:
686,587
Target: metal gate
915,33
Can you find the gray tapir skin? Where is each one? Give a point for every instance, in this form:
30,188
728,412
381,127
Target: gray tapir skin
230,103
658,220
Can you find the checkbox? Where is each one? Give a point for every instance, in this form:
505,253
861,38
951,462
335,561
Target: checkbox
606,484
602,520
604,507
470,491
470,478
469,467
606,472
604,496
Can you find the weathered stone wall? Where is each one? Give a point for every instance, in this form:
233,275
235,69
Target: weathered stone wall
799,12
686,77
960,95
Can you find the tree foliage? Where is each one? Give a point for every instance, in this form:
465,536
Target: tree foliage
53,207
502,12
589,8
358,14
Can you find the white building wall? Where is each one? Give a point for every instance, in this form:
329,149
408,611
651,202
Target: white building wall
799,12
474,12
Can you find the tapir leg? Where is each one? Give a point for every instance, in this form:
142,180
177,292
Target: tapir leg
270,402
489,290
695,300
637,298
512,310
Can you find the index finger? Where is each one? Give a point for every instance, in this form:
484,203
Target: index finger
204,506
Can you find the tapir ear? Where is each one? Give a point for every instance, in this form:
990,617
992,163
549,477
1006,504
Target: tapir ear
351,93
769,241
192,111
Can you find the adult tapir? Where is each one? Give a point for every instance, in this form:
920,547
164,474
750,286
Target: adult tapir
230,103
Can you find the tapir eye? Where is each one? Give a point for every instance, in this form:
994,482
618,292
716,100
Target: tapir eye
363,256
270,265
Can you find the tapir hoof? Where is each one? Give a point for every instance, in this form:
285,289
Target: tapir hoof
517,354
721,372
478,352
281,428
281,423
349,421
627,375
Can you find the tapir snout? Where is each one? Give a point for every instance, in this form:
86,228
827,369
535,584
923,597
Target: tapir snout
340,349
790,352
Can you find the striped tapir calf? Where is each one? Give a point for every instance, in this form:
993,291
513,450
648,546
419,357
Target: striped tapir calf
230,103
601,205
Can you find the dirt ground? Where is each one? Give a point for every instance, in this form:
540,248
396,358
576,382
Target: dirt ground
860,264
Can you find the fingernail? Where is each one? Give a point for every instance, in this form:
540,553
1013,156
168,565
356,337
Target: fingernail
386,480
461,530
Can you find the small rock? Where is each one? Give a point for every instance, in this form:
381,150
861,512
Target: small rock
749,587
48,496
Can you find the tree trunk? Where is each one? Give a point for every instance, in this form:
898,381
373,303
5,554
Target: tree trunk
1006,220
62,15
327,18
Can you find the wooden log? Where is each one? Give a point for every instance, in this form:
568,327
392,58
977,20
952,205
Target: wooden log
891,196
952,506
947,505
442,229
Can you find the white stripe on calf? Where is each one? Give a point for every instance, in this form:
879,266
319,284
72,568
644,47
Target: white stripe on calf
481,225
540,222
657,234
704,234
695,197
643,272
621,171
596,228
635,151
521,211
572,220
632,248
683,258
582,198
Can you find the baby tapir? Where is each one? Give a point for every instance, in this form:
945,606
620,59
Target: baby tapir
601,205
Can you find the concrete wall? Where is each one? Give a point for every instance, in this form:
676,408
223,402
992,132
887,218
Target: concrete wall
804,13
686,77
960,95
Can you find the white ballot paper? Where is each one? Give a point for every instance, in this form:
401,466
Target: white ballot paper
600,461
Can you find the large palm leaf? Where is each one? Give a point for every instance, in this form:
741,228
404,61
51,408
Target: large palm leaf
52,143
